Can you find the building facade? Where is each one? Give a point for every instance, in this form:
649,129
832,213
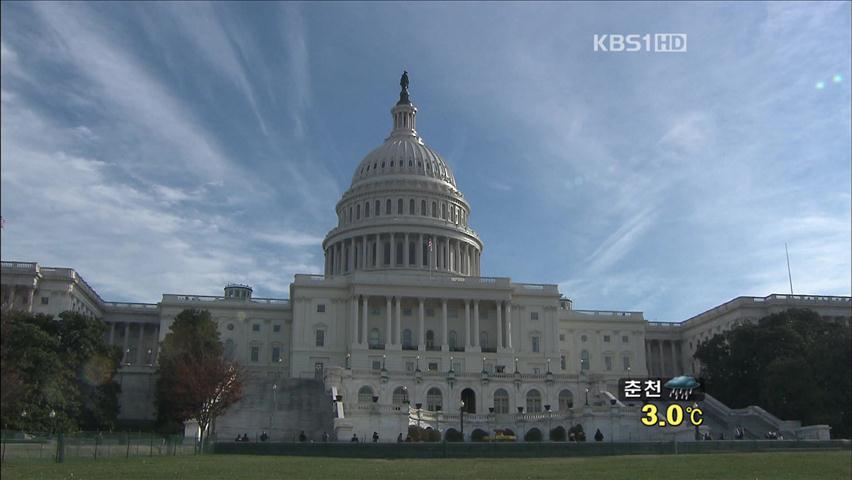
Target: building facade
402,327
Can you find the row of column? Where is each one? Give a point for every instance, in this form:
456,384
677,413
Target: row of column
376,251
141,350
655,358
393,319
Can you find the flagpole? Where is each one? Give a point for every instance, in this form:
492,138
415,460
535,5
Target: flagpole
789,275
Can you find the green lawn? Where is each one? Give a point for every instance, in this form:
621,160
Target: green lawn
780,465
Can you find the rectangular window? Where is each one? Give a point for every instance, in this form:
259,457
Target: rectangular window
409,366
536,371
320,340
276,328
608,363
45,300
320,308
606,338
406,312
276,354
626,361
535,344
533,315
430,312
377,364
625,339
562,362
255,327
433,366
561,337
255,354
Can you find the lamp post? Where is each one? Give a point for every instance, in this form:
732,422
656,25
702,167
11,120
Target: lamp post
419,406
547,407
587,396
348,361
461,418
628,372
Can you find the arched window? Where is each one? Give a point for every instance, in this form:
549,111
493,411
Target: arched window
453,339
411,253
435,209
399,207
533,401
399,253
387,253
584,360
406,339
444,211
388,210
367,210
400,396
483,339
434,400
378,208
358,212
349,218
501,401
365,394
423,207
375,338
411,207
566,400
230,349
430,339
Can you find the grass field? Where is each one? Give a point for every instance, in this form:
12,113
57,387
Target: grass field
776,465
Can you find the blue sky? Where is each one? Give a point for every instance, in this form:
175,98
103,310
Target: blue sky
176,147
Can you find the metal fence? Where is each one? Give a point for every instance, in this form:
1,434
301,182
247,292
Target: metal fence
29,446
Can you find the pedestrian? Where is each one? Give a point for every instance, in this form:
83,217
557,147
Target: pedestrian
399,438
302,436
375,437
354,438
264,437
324,437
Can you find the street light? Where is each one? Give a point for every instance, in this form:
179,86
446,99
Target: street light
461,418
628,372
587,396
547,407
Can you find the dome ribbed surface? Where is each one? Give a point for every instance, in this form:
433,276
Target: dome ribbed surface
403,155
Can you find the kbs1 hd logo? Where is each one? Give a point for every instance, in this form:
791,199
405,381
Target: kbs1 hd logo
654,43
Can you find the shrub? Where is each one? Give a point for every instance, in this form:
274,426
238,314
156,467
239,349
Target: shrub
558,434
478,435
453,435
534,435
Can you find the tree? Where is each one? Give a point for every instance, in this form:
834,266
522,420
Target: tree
793,363
61,365
194,380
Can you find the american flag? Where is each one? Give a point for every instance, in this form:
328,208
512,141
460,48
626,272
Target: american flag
430,244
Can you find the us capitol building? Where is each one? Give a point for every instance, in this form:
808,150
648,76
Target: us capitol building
402,328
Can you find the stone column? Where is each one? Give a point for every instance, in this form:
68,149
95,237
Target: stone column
509,325
419,251
499,322
388,324
444,345
499,325
476,324
674,359
467,324
398,333
406,252
351,255
364,318
140,347
364,252
124,344
392,250
421,339
354,339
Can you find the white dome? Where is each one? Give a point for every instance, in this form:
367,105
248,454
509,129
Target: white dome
403,155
